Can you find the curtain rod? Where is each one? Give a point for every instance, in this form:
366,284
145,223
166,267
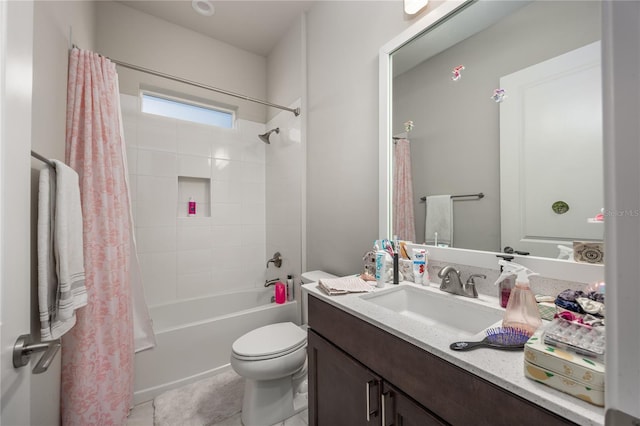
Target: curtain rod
295,111
43,159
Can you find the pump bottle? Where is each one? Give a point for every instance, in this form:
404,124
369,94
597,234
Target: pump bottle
506,279
522,309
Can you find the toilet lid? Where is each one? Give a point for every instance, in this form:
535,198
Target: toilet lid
270,340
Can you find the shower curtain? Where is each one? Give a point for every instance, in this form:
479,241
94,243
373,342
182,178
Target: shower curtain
403,217
97,354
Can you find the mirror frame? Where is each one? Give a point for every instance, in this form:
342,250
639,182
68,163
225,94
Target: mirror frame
551,268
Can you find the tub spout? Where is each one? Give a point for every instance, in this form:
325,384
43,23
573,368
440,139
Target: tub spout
269,283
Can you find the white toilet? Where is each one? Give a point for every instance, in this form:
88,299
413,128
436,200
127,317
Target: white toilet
272,359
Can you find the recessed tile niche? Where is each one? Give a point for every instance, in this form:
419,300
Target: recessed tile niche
197,188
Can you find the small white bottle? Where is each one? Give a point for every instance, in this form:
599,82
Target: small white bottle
290,294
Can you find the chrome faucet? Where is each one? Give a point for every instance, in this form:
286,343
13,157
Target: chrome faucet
452,283
268,283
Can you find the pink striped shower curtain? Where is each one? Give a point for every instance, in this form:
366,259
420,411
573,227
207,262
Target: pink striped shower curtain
403,217
97,354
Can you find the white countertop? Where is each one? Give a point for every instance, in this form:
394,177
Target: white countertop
502,368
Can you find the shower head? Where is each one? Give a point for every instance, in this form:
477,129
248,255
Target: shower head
265,136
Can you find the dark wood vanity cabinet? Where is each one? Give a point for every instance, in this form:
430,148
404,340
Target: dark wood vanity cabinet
358,371
347,393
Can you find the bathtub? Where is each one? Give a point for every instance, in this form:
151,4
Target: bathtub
194,337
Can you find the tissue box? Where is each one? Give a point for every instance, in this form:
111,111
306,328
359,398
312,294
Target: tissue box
577,375
547,310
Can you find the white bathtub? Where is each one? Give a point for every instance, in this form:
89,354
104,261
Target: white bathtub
195,336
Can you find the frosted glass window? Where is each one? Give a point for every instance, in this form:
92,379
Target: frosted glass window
185,111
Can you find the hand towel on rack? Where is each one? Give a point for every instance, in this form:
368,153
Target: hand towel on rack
439,219
61,288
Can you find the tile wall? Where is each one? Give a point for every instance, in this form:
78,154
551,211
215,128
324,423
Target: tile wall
223,247
285,169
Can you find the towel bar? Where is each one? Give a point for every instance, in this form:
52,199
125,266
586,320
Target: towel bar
479,195
24,347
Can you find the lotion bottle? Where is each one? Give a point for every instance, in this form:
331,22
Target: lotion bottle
522,310
192,207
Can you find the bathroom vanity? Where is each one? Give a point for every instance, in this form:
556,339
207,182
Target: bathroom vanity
371,366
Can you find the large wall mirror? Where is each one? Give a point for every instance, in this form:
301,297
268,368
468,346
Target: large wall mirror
501,99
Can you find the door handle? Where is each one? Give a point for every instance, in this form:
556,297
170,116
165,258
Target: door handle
370,412
384,402
24,348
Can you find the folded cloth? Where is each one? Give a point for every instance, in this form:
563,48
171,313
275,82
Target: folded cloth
61,288
344,285
569,305
591,306
439,220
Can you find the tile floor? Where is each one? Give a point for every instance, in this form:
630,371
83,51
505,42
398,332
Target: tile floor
142,415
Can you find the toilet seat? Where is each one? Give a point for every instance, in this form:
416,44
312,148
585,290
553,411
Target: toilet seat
270,341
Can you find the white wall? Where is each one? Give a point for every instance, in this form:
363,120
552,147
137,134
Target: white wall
343,40
286,168
53,21
222,248
284,194
285,69
128,35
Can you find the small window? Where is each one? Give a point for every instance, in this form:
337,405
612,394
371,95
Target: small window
182,110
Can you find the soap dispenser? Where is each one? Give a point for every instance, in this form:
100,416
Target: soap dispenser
522,309
506,279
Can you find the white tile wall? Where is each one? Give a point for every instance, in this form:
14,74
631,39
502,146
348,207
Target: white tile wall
283,194
185,257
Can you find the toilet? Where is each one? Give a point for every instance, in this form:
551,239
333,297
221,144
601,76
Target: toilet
273,361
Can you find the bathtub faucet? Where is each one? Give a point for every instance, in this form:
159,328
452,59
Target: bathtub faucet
276,260
268,283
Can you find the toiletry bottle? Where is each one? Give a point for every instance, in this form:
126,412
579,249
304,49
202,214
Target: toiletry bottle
280,293
506,279
381,268
396,269
192,207
522,310
419,265
396,260
290,288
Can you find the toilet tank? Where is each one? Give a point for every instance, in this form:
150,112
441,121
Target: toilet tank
315,276
306,278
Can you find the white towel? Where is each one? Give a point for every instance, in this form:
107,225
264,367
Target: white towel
439,219
61,288
344,285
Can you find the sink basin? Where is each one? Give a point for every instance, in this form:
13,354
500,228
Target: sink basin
438,309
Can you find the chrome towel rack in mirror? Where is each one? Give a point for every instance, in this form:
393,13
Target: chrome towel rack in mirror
479,195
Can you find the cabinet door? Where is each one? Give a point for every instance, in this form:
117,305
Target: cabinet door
400,410
341,390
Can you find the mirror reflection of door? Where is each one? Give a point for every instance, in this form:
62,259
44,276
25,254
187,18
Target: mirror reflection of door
554,120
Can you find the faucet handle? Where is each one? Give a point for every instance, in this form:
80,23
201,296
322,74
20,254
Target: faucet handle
276,260
471,281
